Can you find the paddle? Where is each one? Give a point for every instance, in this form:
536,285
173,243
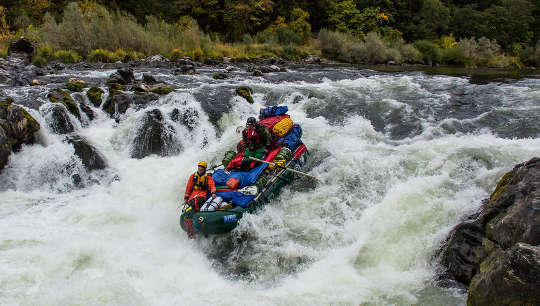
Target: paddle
292,170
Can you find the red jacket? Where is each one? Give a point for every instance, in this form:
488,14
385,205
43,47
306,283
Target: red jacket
198,185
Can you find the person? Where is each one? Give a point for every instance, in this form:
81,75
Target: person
257,139
198,187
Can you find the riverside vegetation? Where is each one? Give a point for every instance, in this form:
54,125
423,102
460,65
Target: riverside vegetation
500,34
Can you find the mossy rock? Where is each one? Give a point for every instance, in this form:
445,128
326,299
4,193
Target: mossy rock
501,186
245,92
76,85
139,88
220,76
64,97
114,85
94,94
163,90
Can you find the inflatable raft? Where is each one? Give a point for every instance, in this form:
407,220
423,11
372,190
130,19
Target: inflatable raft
246,191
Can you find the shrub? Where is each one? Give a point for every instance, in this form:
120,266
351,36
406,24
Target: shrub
45,52
130,56
430,51
499,61
67,56
176,54
39,61
293,53
453,56
285,37
100,55
3,53
196,54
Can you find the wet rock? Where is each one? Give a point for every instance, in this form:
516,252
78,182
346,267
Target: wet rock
57,118
89,155
83,106
17,127
511,277
75,85
35,82
186,69
148,79
87,111
257,73
64,97
22,47
154,136
122,76
268,69
211,62
162,90
498,248
219,76
94,94
245,92
215,104
118,102
189,118
312,59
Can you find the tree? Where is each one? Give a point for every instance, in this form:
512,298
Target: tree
511,22
299,24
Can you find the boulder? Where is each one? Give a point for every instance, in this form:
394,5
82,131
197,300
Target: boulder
18,125
94,94
64,97
189,118
83,106
162,89
5,149
496,251
257,73
245,92
511,277
75,85
312,59
215,103
148,79
189,69
154,136
89,155
123,76
220,76
118,102
57,118
23,47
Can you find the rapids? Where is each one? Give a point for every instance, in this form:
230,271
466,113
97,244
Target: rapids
402,157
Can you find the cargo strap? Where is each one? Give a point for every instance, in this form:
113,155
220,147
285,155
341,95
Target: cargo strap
188,224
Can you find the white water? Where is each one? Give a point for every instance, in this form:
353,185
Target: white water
365,234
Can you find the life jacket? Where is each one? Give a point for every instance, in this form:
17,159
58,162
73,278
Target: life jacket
200,182
253,139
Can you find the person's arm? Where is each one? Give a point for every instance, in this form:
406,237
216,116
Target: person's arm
189,188
212,185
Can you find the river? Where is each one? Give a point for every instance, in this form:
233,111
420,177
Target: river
402,157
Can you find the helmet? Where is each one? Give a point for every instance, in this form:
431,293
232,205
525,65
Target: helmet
203,164
251,120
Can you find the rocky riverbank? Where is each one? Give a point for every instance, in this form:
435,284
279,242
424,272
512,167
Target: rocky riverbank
496,251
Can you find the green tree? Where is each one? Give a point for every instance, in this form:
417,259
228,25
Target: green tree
299,24
511,22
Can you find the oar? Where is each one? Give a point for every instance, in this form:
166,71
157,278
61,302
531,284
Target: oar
292,170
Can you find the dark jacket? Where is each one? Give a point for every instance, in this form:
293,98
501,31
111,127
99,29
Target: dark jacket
257,137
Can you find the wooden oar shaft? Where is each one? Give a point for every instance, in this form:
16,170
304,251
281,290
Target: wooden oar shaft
271,163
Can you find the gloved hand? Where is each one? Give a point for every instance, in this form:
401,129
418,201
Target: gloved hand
214,195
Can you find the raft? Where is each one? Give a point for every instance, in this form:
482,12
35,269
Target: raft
267,185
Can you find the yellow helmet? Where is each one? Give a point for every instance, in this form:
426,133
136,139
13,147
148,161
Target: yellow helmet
203,164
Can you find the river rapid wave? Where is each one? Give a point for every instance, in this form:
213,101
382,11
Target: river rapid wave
401,157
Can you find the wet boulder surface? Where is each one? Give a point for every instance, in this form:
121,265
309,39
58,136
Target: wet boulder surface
496,251
154,136
90,157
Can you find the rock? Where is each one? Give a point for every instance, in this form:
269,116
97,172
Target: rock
511,277
283,69
57,118
87,111
118,102
498,247
215,103
122,76
63,97
230,68
22,46
245,92
18,126
94,94
82,102
35,82
89,155
186,69
268,69
75,85
154,136
220,76
312,59
211,62
113,84
148,79
5,149
189,118
257,73
162,90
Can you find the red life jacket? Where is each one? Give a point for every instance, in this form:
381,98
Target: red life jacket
253,138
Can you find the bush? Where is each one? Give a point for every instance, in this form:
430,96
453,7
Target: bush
45,52
176,54
67,56
286,37
453,56
39,61
196,54
3,53
292,53
430,51
101,56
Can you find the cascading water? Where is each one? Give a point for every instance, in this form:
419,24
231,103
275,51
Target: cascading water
401,158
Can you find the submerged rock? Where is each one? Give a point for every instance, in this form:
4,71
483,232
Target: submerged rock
154,136
148,79
497,250
118,102
75,85
5,149
189,118
89,155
